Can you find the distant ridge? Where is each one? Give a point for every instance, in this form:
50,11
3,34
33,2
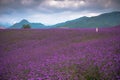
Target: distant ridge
4,25
1,27
103,20
24,21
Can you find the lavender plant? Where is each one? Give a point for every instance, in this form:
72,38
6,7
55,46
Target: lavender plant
60,54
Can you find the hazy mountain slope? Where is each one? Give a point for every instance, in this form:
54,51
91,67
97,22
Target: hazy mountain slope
33,25
5,25
1,27
103,20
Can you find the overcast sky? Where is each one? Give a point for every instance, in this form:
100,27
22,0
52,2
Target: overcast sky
51,12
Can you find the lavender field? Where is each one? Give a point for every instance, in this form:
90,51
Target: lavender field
60,54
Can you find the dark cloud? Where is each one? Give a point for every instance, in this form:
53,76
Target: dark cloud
18,9
54,6
18,5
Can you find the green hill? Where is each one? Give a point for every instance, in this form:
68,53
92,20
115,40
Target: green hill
103,20
33,25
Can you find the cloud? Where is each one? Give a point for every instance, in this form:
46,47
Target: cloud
27,2
65,4
80,5
54,10
55,6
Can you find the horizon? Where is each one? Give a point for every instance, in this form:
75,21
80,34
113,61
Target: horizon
66,20
9,25
50,12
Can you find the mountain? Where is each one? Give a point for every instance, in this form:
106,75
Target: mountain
103,20
1,27
4,25
33,25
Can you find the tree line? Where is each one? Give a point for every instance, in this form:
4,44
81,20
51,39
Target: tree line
26,26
